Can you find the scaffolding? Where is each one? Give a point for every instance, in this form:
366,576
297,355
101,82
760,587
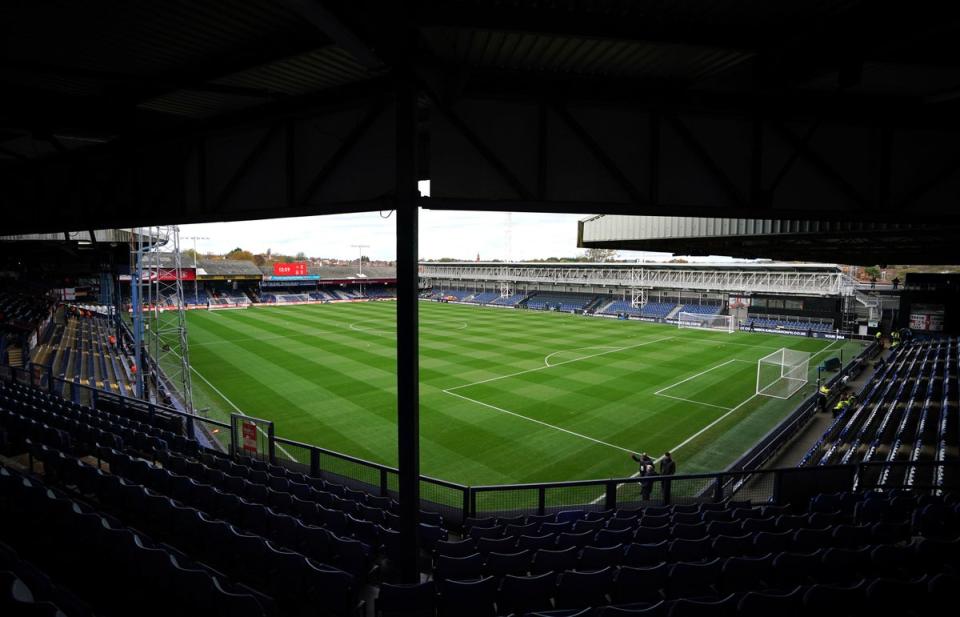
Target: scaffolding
159,316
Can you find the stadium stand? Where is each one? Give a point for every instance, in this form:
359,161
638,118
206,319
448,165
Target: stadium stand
484,297
199,299
458,295
561,301
658,310
513,300
21,317
523,568
784,324
380,292
619,306
907,412
181,500
701,309
273,541
78,350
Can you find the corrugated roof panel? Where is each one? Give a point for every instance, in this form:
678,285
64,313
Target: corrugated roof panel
198,104
154,36
324,68
580,55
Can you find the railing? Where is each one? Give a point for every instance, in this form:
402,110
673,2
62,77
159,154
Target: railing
448,498
457,501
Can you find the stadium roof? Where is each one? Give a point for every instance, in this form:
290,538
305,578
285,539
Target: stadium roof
225,266
694,265
864,243
123,114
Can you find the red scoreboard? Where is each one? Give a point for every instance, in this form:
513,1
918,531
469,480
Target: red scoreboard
297,268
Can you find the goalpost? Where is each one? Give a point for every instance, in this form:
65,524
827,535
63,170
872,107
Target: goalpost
783,372
705,322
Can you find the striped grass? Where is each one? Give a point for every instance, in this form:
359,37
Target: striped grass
506,396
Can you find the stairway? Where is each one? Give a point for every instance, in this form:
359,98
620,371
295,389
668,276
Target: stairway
594,304
15,357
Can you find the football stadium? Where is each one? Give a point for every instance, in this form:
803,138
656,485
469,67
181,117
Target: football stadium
724,398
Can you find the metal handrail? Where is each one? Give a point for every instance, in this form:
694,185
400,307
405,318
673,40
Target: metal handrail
460,507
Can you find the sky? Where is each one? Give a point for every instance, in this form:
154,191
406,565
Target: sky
455,234
460,235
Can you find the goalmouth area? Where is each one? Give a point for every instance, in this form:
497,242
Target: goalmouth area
506,396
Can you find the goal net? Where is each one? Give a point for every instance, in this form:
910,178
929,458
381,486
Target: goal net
705,322
783,372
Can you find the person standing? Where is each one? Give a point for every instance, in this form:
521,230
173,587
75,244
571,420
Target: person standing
822,395
641,458
646,485
668,467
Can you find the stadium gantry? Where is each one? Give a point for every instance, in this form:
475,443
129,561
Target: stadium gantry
833,124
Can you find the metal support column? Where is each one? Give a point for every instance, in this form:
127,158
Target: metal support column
136,308
408,357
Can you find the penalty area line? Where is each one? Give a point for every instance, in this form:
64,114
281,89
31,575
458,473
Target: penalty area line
540,368
687,400
687,441
540,422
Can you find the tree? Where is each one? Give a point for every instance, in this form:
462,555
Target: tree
600,255
301,256
872,272
240,254
260,259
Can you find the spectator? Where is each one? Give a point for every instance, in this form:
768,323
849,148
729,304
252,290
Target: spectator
641,458
668,467
646,485
896,282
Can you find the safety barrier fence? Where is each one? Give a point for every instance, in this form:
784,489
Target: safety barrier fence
457,501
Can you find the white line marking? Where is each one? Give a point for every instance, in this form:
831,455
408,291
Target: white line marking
661,391
546,359
513,413
712,424
240,411
694,376
540,368
678,398
686,441
824,349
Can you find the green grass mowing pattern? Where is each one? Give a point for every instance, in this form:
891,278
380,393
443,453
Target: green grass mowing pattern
507,396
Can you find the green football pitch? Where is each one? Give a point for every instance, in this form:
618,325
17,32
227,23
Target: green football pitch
507,396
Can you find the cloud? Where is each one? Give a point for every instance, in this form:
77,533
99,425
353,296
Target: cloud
455,234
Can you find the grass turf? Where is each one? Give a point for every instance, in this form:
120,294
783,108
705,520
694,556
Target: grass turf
507,396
